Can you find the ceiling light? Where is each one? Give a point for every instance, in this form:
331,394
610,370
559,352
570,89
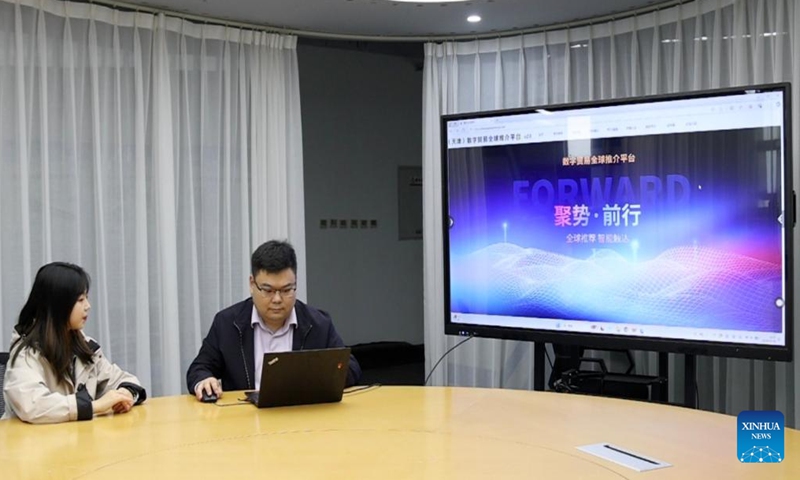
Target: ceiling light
474,18
429,1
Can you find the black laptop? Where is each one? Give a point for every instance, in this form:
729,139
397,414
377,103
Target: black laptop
302,377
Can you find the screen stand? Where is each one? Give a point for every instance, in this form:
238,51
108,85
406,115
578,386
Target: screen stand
538,366
689,381
663,372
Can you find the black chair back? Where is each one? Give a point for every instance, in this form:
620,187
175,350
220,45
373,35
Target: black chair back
3,362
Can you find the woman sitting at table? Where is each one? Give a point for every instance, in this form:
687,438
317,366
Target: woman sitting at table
55,372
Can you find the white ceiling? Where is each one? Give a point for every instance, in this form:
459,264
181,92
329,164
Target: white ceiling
387,18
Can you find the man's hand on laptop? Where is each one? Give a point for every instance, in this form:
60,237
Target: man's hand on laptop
210,385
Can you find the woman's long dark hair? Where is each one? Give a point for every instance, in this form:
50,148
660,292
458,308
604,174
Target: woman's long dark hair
44,320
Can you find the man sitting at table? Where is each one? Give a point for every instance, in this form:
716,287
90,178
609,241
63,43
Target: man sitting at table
271,320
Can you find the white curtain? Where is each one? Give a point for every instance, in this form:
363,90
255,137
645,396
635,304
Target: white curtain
696,45
154,152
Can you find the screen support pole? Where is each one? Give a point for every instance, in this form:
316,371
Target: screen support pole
538,366
689,381
663,372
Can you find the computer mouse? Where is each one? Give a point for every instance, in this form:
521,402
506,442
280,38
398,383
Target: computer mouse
209,397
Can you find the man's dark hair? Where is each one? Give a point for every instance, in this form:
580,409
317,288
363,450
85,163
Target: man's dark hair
273,257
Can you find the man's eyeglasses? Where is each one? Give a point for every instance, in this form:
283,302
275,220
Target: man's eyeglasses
269,292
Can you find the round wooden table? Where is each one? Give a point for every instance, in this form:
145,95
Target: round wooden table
386,432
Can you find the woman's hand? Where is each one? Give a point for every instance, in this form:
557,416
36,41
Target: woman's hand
118,401
124,407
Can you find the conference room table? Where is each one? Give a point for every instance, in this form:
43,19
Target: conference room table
387,432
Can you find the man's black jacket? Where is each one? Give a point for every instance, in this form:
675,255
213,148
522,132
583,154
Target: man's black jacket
227,351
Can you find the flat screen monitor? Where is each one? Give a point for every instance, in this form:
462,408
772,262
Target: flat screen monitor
655,223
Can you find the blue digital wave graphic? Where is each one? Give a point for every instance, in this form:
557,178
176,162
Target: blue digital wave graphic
684,286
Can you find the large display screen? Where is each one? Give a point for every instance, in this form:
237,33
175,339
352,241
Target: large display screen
661,223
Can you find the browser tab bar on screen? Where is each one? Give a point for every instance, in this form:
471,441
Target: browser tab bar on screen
678,116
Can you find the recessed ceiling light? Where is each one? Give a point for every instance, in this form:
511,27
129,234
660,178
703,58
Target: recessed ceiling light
429,1
474,18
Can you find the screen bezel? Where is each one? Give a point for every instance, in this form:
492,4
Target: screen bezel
616,342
